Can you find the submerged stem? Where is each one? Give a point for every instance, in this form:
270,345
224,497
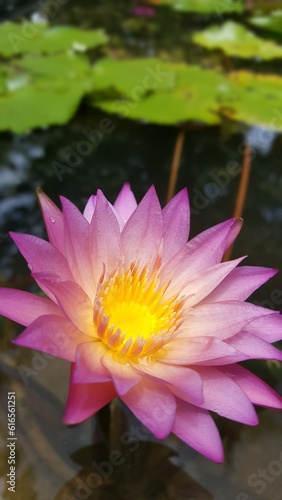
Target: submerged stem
242,191
175,163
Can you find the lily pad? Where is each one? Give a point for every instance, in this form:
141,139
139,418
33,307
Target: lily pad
257,99
39,91
273,22
193,93
39,105
205,6
133,78
17,38
62,38
36,38
235,40
55,66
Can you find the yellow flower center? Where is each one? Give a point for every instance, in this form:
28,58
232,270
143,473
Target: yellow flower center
131,314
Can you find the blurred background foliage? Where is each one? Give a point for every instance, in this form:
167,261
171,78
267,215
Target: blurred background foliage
47,71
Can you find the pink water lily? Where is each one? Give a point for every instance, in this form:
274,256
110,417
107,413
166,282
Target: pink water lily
147,317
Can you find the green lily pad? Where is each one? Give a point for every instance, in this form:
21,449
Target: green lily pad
17,38
273,22
62,38
256,100
162,108
40,91
206,6
235,40
186,93
132,78
54,66
36,38
38,106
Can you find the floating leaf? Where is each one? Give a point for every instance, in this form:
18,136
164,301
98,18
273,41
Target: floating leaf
36,38
193,93
204,6
62,38
257,99
133,78
36,106
17,38
273,22
55,66
39,91
235,40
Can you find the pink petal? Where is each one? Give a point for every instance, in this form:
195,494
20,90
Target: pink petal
233,233
88,367
199,350
72,299
41,256
254,347
142,234
223,396
124,375
240,283
53,219
203,251
268,327
154,405
200,284
196,427
125,203
176,224
90,208
221,319
86,399
180,380
76,242
105,243
25,307
257,391
54,335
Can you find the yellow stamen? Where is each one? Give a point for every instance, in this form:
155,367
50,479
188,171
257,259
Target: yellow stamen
131,315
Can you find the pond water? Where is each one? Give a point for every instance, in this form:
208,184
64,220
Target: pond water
55,461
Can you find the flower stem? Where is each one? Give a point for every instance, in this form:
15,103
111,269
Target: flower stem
242,191
175,163
103,417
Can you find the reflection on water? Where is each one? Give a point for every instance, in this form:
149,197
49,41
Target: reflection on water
65,463
55,461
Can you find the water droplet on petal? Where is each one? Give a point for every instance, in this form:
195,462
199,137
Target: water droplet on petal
52,219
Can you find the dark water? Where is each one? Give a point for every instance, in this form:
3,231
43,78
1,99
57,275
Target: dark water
54,461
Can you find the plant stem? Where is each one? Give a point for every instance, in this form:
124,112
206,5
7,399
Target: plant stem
242,191
103,417
175,163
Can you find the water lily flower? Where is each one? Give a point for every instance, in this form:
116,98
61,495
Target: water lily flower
146,316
